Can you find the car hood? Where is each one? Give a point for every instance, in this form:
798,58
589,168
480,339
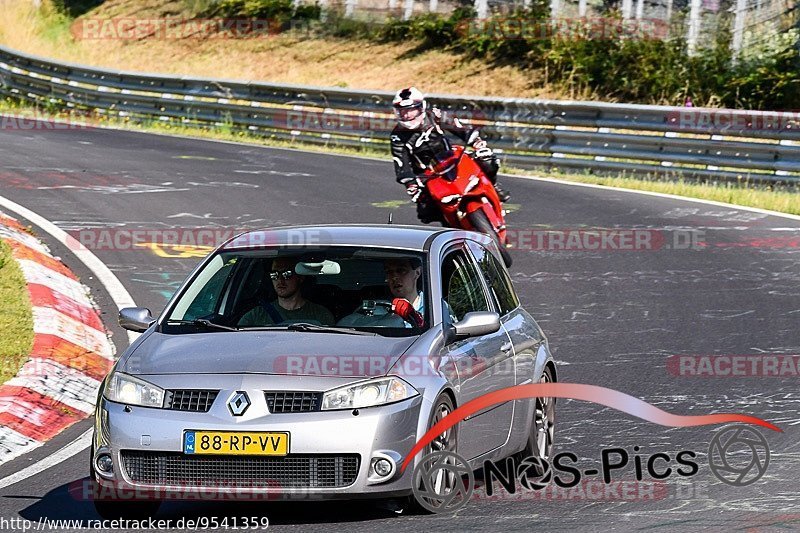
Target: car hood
265,352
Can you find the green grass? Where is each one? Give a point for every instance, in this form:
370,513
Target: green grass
16,319
785,200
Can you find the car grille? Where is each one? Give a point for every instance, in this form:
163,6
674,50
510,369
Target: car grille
293,402
292,471
195,400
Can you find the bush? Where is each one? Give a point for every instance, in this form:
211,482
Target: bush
281,11
337,25
632,69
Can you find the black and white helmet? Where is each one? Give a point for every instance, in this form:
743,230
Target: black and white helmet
409,106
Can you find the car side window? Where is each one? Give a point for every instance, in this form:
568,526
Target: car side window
206,301
496,278
461,285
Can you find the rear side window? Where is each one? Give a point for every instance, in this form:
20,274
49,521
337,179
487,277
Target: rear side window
496,277
462,288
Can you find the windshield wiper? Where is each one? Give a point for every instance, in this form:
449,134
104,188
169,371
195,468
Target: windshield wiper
305,326
200,322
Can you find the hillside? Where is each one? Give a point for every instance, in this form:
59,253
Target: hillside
284,58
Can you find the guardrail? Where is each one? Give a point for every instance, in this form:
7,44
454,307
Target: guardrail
716,144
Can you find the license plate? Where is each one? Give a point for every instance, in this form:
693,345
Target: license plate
236,443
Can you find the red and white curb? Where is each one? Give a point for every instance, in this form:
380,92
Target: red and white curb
58,384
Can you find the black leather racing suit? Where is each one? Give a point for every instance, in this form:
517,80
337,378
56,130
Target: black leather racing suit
414,149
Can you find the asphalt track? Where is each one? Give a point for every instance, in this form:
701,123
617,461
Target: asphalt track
613,317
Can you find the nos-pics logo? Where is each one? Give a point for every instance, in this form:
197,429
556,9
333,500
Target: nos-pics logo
443,481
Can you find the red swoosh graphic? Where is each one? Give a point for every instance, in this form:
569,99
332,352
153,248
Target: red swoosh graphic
576,391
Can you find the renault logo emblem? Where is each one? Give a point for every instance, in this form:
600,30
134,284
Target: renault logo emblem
238,403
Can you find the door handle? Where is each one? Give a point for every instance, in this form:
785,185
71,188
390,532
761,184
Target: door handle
506,347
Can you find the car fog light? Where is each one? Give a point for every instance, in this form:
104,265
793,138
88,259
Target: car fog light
104,464
383,467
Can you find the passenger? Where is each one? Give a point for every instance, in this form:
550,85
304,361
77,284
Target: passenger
408,306
290,306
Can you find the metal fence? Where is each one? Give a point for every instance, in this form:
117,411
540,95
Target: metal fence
716,144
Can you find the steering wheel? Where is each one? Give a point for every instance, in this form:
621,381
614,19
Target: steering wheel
368,307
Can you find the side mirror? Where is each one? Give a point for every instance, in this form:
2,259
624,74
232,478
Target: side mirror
474,324
136,319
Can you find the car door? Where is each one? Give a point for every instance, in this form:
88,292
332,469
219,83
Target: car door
484,364
519,325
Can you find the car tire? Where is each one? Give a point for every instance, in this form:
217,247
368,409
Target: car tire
481,223
541,435
448,441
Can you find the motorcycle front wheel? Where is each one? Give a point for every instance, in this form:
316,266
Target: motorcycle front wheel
481,223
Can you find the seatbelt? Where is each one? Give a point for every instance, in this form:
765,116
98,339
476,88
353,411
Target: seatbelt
272,312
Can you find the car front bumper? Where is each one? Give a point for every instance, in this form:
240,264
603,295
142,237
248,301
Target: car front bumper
320,439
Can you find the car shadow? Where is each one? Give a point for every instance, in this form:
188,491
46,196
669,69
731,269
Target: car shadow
72,501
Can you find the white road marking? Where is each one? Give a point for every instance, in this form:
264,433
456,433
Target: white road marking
657,194
70,450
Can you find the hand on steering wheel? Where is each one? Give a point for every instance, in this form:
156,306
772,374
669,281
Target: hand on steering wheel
403,308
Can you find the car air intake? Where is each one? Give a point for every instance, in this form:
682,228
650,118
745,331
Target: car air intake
295,471
293,401
195,400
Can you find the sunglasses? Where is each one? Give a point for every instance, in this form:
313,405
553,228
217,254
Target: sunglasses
284,274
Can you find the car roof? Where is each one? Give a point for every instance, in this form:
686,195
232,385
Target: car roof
377,235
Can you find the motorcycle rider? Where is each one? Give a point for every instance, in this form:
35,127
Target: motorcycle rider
419,137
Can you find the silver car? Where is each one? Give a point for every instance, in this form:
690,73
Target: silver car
306,362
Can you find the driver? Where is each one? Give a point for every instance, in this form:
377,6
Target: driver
408,306
290,306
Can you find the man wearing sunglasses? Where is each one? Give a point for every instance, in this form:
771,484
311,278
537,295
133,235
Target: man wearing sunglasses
290,306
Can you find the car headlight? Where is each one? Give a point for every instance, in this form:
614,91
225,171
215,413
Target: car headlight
122,388
368,394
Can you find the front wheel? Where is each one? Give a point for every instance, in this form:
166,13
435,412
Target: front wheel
442,482
481,223
540,439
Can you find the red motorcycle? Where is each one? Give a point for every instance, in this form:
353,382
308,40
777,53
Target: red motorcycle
465,196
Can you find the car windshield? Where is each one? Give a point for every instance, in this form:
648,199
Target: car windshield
348,290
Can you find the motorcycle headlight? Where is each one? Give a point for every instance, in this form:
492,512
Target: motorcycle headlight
368,394
122,388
